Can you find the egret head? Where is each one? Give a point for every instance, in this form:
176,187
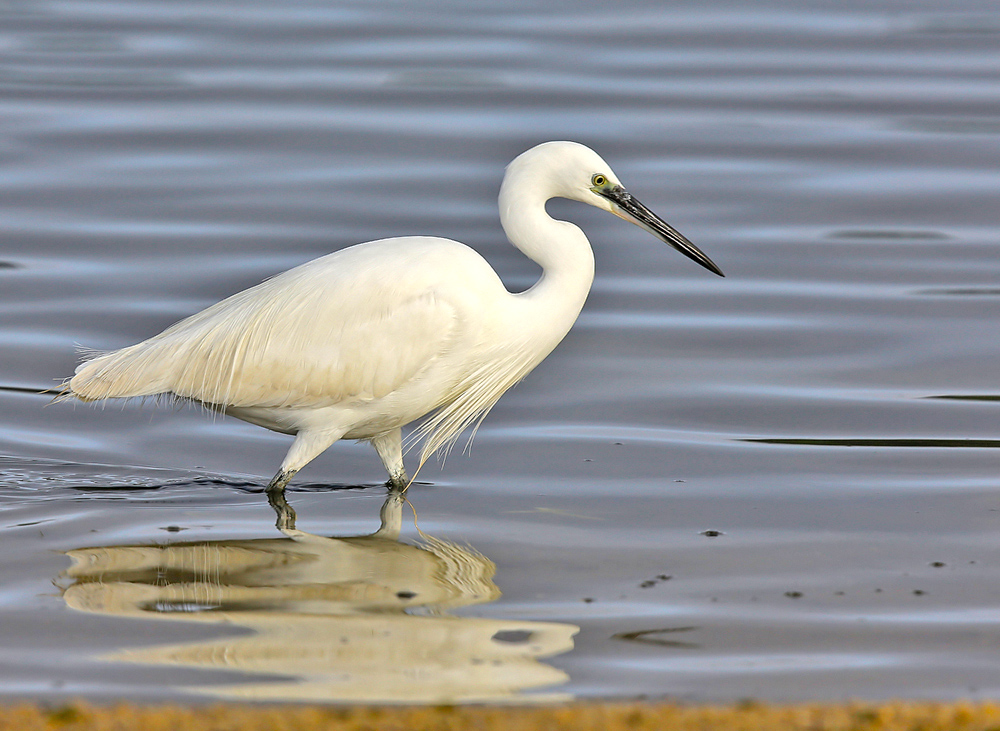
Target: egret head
624,205
574,171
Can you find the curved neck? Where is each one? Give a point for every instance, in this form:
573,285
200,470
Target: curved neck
559,247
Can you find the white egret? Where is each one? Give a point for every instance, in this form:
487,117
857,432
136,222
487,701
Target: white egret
361,342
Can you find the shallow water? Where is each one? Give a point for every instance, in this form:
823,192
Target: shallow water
780,485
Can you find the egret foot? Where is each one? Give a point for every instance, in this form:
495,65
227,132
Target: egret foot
398,481
278,482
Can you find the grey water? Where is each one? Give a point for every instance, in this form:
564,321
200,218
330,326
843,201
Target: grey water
780,485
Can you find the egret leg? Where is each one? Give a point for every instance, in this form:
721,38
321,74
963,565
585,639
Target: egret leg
390,450
307,446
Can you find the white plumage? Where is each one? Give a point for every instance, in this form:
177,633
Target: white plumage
363,341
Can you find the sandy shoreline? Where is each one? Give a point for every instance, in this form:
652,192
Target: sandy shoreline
959,716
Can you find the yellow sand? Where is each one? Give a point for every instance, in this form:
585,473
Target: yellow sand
589,717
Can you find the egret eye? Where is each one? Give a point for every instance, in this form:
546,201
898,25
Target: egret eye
598,180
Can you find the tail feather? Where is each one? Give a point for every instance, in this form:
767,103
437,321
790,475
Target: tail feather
126,373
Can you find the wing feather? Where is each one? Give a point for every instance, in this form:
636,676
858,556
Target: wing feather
349,326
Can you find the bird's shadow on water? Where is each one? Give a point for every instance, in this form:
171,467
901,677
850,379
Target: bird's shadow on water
278,499
285,521
356,618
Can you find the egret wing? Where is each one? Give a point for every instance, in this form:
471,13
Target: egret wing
324,333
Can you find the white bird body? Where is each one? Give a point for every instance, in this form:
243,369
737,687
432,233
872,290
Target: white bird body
358,343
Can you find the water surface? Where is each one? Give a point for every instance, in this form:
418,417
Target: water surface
780,485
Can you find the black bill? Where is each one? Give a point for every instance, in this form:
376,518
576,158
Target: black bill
627,207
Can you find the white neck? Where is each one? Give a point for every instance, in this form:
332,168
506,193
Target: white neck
559,247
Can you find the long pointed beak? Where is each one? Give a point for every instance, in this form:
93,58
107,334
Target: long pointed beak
627,207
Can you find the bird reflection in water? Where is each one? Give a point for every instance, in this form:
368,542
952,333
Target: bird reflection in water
357,619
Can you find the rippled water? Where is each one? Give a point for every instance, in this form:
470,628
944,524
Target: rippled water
779,485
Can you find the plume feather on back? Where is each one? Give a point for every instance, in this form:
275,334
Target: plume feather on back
292,340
